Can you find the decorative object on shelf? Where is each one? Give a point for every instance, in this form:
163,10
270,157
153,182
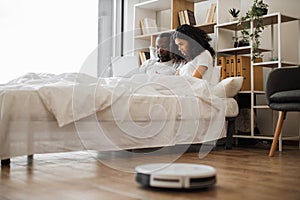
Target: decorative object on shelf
234,13
258,9
274,59
235,41
240,41
148,26
210,14
243,42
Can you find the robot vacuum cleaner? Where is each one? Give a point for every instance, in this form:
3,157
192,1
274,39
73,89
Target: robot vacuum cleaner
176,175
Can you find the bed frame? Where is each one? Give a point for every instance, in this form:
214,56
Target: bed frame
228,144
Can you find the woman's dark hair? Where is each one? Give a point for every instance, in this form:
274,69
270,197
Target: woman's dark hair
198,40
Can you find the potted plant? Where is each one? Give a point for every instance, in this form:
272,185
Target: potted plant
258,9
234,13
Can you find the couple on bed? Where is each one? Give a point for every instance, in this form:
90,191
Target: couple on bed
186,52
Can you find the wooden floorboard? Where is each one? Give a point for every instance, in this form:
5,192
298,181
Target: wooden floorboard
242,173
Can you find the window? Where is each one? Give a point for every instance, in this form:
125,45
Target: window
49,36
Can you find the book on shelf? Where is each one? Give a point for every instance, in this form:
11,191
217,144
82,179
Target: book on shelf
143,55
243,68
227,66
187,17
232,66
148,26
210,14
181,17
222,63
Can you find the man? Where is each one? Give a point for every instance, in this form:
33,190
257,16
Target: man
163,63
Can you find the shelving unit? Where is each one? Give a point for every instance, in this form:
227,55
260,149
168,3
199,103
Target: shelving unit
268,20
166,14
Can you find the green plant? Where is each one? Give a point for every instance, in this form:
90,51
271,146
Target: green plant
234,12
258,9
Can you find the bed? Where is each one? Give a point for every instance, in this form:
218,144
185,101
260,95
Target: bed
46,113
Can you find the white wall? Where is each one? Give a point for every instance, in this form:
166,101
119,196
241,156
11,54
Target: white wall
47,36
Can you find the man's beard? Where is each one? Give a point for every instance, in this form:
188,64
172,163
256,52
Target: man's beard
164,58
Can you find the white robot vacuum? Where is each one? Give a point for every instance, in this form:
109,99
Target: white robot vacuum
176,175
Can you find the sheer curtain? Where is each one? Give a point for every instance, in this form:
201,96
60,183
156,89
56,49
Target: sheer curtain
48,36
109,34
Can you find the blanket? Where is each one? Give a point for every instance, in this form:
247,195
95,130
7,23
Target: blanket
73,96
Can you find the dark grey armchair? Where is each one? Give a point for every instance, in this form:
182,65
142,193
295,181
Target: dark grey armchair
283,95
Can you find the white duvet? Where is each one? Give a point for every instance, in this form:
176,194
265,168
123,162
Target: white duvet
72,96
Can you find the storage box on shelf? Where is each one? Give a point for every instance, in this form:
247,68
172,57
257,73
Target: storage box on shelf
254,79
239,65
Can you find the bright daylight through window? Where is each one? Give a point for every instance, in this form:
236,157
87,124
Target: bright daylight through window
49,36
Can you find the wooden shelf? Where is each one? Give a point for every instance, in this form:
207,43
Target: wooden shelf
266,137
196,1
239,51
261,107
273,19
154,5
249,92
208,28
273,64
267,20
148,36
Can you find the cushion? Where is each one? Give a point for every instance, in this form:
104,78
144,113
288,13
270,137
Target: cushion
228,87
286,96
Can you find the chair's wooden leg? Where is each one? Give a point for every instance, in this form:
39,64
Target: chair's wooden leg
277,133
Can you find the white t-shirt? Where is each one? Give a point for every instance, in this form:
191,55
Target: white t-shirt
203,59
152,66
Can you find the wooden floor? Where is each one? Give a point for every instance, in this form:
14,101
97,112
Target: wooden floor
242,173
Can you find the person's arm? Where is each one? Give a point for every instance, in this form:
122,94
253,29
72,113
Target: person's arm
199,71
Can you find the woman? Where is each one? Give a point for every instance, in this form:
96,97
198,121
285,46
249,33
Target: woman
193,45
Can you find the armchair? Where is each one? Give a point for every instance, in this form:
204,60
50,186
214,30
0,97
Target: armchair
283,95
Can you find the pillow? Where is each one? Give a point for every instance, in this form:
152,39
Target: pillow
228,87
